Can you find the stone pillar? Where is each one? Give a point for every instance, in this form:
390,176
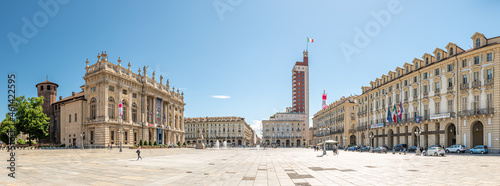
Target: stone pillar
155,115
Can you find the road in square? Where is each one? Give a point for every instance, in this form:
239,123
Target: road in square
282,166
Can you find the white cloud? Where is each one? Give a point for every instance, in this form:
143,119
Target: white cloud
221,97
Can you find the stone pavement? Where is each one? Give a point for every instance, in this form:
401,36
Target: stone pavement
244,167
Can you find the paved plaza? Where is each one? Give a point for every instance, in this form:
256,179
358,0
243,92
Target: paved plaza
245,167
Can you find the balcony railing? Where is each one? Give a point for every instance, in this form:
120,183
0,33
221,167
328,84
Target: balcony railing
464,86
437,92
476,84
476,112
488,82
450,89
426,94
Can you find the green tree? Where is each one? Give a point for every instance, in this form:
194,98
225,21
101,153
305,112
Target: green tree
140,143
7,124
30,118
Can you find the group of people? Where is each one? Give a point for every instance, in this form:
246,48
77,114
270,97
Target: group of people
334,149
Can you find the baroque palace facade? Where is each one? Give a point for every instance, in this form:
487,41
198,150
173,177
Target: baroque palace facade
447,98
151,110
232,129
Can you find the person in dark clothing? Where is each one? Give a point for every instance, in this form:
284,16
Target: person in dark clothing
138,152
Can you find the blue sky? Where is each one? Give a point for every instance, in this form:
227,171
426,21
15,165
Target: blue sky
243,49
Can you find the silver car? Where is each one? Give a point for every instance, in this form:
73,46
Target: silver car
455,148
435,151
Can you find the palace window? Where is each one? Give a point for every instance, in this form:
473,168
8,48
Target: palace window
450,82
464,103
93,108
111,108
124,91
427,60
489,74
111,88
92,89
489,100
478,42
464,63
437,107
70,118
476,60
436,85
112,135
476,103
451,51
124,105
75,118
425,75
425,89
450,105
450,68
126,137
476,76
41,88
91,135
464,79
438,56
48,87
134,95
489,57
134,112
436,72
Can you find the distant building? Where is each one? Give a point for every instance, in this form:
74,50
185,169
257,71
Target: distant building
232,129
285,130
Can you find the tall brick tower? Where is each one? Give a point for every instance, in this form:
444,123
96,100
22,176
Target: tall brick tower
300,91
300,86
48,90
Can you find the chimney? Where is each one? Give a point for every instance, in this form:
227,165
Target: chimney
73,93
60,97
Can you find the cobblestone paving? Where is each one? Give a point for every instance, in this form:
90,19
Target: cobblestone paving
245,167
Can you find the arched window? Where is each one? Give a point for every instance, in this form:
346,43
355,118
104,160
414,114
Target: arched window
125,106
41,87
438,56
111,108
478,42
93,103
451,51
134,112
48,87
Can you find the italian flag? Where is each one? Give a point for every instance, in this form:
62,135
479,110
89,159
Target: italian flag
310,40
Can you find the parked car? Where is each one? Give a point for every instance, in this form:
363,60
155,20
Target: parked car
364,149
456,148
412,149
380,149
483,149
435,151
400,147
435,146
352,148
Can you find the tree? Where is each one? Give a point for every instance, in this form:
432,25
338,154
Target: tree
30,118
140,143
7,124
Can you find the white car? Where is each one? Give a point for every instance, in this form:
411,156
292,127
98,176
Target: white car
456,148
435,151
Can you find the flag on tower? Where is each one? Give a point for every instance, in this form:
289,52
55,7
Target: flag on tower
323,100
310,40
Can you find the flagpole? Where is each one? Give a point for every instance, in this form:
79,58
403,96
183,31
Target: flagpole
307,44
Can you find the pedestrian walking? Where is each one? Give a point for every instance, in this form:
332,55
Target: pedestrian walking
108,146
138,152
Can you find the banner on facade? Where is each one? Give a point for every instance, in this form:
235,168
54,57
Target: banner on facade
378,125
323,101
438,116
158,109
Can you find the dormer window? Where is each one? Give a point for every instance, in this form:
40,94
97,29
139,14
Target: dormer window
478,42
427,61
451,51
438,56
416,65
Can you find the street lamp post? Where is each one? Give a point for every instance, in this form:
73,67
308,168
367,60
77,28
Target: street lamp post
371,139
417,133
